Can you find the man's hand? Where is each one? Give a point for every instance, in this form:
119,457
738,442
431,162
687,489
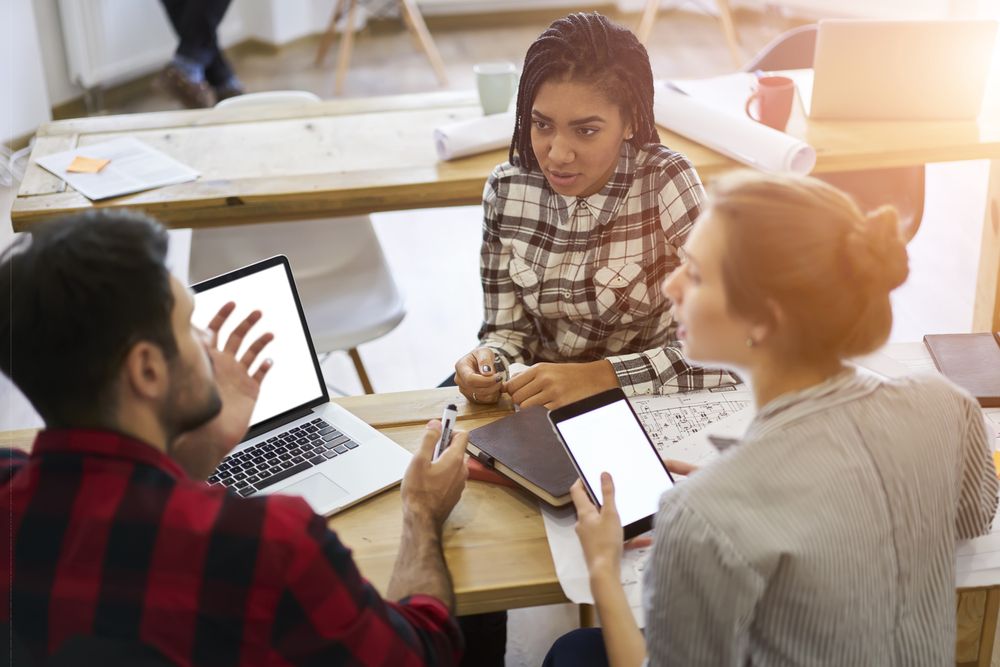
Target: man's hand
476,377
200,451
556,385
431,489
600,530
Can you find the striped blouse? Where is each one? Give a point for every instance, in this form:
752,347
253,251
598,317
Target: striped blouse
828,536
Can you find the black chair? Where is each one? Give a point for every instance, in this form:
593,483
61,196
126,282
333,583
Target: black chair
903,187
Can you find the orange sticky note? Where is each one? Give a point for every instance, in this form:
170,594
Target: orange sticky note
996,462
87,165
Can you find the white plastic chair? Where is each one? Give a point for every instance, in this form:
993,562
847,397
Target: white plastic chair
348,294
276,97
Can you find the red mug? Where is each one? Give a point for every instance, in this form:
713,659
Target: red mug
774,95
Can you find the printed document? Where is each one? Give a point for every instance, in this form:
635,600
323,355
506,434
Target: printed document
132,167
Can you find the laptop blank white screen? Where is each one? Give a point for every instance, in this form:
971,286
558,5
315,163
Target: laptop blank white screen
292,381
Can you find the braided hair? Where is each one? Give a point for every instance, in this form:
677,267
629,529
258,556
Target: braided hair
587,47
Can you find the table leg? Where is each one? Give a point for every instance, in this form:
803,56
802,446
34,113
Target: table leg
416,23
326,41
976,620
986,311
346,46
647,20
588,616
729,30
989,627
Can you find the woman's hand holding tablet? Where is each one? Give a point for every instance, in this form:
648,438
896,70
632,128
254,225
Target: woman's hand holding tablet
599,529
602,434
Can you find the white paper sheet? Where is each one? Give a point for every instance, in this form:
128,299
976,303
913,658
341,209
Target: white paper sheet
571,568
730,92
730,133
134,167
476,135
679,424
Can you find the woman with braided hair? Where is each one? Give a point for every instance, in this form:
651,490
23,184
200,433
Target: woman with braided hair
827,536
581,226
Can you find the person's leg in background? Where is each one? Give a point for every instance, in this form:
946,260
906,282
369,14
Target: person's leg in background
580,648
198,64
222,78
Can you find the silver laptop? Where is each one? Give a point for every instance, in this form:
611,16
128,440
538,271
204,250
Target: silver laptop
901,70
298,443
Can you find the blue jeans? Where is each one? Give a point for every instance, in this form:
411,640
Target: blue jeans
195,22
579,648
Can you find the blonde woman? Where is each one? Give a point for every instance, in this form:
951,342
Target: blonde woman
827,536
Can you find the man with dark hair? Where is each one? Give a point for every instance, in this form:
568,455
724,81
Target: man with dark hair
114,534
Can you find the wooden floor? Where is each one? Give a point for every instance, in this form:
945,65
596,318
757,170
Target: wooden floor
386,61
434,253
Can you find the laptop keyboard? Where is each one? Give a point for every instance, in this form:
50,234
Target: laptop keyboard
288,453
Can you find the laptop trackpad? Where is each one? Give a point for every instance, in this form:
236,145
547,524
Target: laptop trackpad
318,490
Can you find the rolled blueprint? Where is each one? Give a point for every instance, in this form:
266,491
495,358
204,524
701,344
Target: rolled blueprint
476,135
731,134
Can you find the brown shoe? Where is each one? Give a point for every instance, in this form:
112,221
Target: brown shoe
193,95
231,89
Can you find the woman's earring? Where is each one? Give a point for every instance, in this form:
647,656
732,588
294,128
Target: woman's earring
750,341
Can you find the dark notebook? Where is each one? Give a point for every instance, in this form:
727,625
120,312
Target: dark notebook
524,448
972,361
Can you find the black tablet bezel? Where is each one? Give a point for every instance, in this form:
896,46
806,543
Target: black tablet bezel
588,405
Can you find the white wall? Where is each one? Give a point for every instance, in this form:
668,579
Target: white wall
25,101
60,88
151,32
281,21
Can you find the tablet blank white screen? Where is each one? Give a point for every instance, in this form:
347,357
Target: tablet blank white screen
610,439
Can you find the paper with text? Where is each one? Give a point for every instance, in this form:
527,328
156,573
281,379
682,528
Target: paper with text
678,424
133,166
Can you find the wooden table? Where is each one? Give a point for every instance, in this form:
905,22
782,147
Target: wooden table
494,541
344,157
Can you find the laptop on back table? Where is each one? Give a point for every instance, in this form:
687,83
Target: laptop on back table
901,70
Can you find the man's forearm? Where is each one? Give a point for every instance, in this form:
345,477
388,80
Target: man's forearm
420,566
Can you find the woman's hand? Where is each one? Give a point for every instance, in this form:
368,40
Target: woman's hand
599,530
476,377
680,467
556,385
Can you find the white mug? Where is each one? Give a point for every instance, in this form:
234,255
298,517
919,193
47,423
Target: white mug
497,84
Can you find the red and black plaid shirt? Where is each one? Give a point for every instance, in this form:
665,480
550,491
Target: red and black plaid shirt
110,538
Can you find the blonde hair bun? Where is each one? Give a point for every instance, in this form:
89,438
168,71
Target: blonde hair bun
876,251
